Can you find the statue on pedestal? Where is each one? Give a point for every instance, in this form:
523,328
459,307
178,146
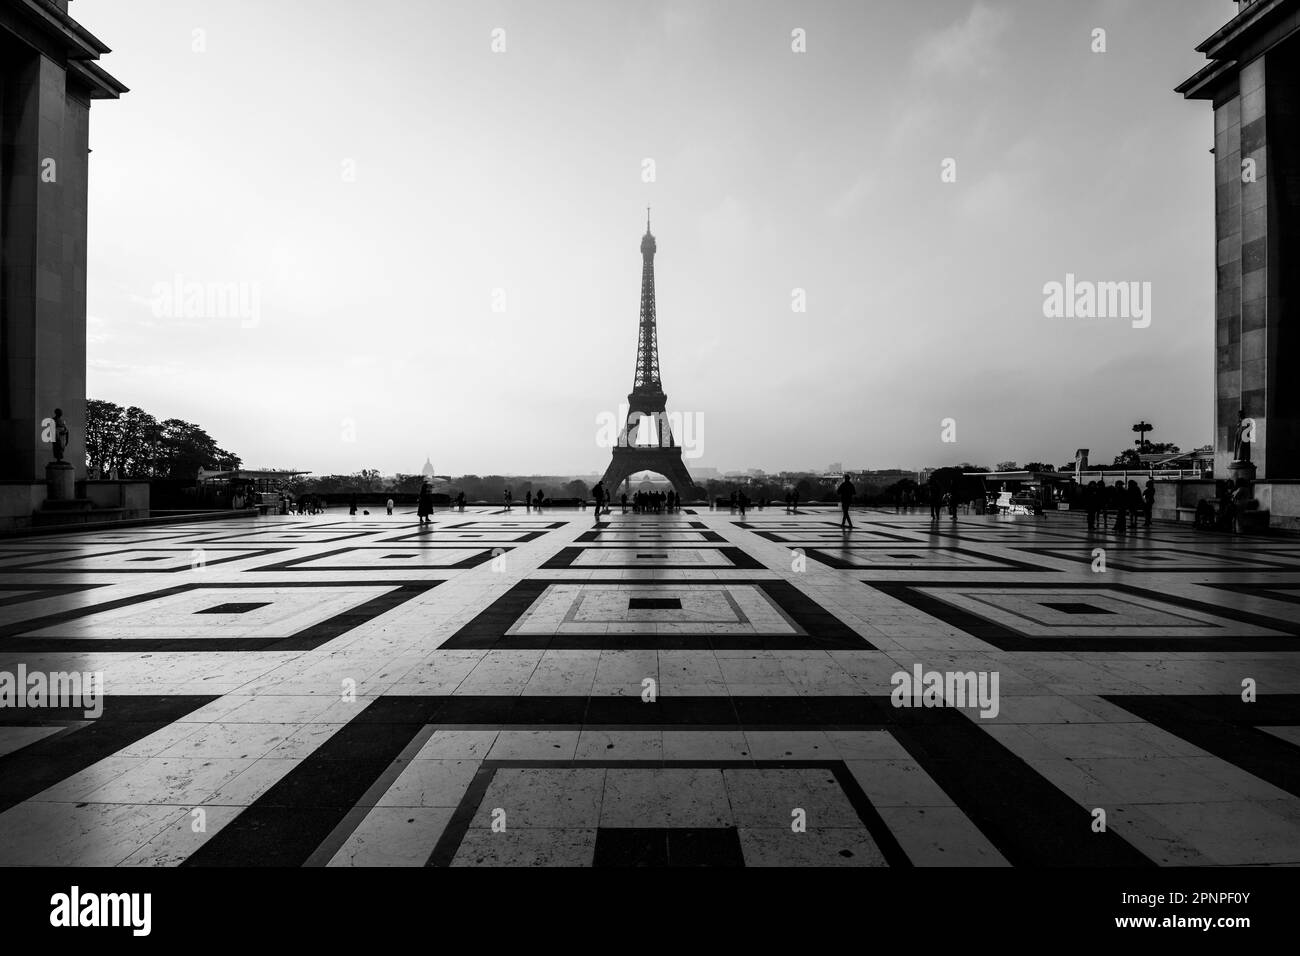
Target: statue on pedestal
61,435
59,473
1241,469
1242,437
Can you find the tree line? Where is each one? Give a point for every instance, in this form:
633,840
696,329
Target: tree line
132,443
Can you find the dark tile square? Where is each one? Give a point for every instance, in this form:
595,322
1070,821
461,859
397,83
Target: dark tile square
664,556
654,604
630,847
1074,607
388,557
234,607
715,846
660,846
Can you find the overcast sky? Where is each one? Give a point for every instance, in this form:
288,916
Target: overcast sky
370,175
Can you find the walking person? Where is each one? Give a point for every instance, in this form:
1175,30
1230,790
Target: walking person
1117,503
508,499
742,501
599,494
1133,499
424,504
846,491
389,505
528,500
1148,502
352,506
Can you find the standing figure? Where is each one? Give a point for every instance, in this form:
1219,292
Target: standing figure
61,435
846,491
424,505
1117,502
1241,438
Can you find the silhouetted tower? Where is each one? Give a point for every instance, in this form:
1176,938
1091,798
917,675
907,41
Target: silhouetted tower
647,398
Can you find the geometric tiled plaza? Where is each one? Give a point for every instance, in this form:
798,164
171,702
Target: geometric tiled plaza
524,690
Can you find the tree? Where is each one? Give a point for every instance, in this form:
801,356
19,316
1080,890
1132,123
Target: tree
367,478
137,445
183,448
103,426
1007,466
1128,458
134,443
577,489
407,484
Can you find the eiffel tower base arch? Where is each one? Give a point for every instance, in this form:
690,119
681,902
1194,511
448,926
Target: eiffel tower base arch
666,461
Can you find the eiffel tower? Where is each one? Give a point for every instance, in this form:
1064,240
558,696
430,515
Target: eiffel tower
647,399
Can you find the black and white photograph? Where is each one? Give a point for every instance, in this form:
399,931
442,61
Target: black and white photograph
853,442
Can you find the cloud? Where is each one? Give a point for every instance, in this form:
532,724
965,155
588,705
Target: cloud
963,47
848,200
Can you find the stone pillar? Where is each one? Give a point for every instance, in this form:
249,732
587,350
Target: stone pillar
48,78
1253,82
44,334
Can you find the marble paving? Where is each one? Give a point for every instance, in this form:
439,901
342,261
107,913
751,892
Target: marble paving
690,689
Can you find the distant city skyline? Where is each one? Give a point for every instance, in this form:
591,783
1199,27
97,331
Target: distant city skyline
320,293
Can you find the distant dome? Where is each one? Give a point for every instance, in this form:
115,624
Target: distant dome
427,470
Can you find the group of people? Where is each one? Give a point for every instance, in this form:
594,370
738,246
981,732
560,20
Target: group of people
905,501
941,502
310,505
652,502
1100,499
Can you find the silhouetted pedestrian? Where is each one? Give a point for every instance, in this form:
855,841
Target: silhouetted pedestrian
1116,502
1133,501
846,491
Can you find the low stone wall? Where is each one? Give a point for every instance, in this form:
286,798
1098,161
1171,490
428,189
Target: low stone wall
1281,499
18,499
131,496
